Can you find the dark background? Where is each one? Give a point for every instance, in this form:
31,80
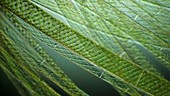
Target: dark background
6,86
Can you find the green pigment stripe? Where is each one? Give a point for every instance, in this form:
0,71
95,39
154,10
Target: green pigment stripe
62,80
88,49
85,64
28,83
113,80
